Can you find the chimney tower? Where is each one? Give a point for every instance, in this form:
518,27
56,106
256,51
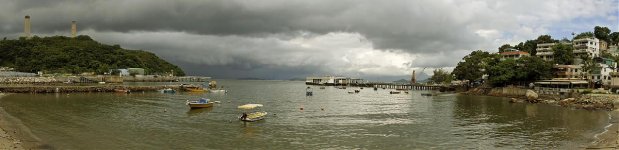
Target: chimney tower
413,78
27,33
73,29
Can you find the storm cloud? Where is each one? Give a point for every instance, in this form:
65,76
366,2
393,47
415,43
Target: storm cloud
279,39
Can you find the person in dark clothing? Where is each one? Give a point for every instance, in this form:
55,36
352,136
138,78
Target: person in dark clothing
244,116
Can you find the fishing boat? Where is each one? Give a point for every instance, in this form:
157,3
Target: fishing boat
195,89
122,91
168,90
200,103
309,91
218,91
253,116
394,92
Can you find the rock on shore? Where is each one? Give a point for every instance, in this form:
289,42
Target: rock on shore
586,101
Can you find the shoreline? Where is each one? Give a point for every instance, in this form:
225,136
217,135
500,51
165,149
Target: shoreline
8,141
14,134
607,139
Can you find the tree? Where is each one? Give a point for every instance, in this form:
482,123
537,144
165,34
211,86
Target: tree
59,54
584,35
614,38
441,76
533,68
503,73
525,69
505,48
528,46
588,66
563,54
601,33
545,39
474,65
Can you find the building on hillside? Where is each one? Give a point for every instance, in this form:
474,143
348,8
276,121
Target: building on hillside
614,81
513,55
568,72
544,51
602,75
586,46
559,86
613,50
603,46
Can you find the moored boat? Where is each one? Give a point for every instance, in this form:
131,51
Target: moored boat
394,92
168,90
255,116
122,91
195,89
201,103
218,91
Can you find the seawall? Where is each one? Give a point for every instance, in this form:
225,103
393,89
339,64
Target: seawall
74,89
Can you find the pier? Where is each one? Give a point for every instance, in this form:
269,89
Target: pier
355,82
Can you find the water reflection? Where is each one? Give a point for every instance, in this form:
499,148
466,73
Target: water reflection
508,122
196,111
331,119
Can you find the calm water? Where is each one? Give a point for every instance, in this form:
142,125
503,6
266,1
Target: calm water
368,120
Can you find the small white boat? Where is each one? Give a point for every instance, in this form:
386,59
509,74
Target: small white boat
168,90
218,91
201,103
255,116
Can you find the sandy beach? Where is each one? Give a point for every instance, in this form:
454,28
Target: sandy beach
8,141
609,139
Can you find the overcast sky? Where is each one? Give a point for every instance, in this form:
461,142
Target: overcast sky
282,39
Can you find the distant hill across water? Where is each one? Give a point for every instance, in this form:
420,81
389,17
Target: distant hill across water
60,54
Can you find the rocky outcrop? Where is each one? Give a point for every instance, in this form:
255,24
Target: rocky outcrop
577,101
531,95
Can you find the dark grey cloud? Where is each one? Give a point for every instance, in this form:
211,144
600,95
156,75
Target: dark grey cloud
392,25
278,39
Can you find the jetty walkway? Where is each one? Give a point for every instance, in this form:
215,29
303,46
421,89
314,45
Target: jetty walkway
398,86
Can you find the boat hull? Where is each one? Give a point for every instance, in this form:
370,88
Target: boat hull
256,116
200,105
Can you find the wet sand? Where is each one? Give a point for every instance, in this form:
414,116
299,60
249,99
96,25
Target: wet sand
8,141
609,139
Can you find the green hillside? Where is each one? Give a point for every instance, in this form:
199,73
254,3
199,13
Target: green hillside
59,54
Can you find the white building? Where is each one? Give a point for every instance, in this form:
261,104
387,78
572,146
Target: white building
586,46
544,51
332,80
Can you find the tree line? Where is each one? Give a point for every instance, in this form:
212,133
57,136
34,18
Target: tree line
60,54
526,69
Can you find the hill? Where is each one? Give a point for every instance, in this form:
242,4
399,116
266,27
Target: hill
60,54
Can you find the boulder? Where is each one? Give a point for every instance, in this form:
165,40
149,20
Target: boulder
531,95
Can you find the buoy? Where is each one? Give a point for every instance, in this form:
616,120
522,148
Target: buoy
301,108
322,109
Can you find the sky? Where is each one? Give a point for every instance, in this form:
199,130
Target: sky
284,39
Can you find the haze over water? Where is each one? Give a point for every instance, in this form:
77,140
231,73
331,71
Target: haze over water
370,119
